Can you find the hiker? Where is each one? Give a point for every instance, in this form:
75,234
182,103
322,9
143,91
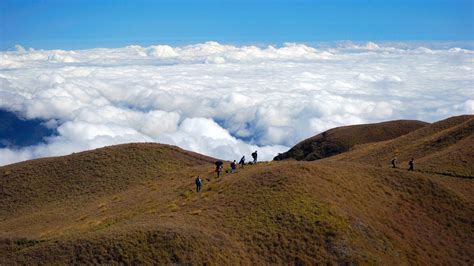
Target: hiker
233,167
254,156
242,161
394,163
410,164
198,183
219,167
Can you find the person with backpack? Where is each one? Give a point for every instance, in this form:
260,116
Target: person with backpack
410,165
254,156
242,161
219,165
198,183
233,167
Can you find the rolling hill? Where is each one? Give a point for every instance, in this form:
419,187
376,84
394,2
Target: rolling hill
445,147
135,203
342,139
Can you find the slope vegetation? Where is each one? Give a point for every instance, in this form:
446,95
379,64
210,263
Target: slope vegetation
342,139
136,204
445,147
28,185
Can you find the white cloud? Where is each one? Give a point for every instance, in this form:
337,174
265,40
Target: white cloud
161,51
20,49
225,100
469,106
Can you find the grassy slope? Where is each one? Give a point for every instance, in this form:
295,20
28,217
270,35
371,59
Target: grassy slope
445,147
342,139
25,186
142,208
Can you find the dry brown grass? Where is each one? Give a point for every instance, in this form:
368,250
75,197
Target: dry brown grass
343,139
142,208
445,147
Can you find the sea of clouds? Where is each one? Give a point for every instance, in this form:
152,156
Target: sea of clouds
223,100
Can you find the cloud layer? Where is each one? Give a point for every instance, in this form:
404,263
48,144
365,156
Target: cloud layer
224,100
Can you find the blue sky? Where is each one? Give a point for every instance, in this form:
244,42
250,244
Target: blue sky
77,24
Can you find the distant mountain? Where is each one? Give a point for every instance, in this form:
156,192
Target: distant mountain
136,204
342,139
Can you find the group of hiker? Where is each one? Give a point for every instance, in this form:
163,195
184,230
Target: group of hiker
410,164
233,168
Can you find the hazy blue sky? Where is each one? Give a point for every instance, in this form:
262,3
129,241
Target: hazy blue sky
83,24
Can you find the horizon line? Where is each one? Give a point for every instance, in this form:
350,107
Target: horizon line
181,43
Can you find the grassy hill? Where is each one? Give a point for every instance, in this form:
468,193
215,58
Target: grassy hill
136,203
28,185
342,139
445,147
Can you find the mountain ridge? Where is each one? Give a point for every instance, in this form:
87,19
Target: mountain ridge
445,147
136,203
343,139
